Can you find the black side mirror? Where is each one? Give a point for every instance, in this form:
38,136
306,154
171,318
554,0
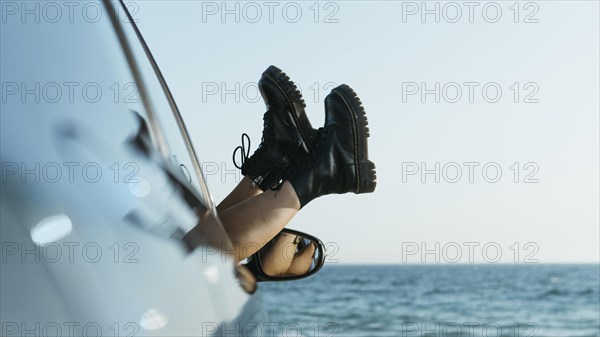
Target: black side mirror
290,255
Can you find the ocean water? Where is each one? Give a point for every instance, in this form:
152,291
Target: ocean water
439,300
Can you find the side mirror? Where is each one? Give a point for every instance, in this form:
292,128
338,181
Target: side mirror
290,255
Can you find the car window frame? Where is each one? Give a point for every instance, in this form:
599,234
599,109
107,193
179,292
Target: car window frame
154,124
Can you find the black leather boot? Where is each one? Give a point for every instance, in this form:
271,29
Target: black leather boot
287,133
339,162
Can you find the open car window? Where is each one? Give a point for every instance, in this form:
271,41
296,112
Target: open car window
152,98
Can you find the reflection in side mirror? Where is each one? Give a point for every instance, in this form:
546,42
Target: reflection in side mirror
290,255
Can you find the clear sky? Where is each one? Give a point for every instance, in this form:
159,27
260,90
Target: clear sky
547,123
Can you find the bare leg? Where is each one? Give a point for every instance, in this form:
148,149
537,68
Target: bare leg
282,258
244,190
278,258
302,261
253,222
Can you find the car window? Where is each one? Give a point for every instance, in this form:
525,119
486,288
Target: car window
75,72
152,96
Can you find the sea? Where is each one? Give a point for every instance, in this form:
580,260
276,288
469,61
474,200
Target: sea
438,301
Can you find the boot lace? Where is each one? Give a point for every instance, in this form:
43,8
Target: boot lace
244,151
245,160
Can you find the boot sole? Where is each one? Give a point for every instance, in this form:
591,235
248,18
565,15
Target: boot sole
293,95
366,172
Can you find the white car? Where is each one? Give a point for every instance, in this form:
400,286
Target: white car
107,225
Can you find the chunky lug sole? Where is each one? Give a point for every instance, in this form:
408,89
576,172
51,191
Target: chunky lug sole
293,95
366,177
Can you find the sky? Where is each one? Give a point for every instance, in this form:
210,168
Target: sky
497,102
